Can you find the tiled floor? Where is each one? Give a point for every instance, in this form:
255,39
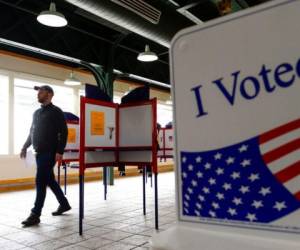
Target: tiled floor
117,223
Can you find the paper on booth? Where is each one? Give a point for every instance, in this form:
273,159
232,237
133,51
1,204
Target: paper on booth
71,135
97,123
29,160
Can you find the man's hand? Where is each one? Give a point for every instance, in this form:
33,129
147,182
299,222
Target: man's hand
23,153
58,157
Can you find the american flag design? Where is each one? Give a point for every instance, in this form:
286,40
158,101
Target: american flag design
254,181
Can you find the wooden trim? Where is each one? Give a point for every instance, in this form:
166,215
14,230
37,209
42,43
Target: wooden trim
29,183
33,59
136,84
129,82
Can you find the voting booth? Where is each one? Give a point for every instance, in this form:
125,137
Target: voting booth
71,152
113,134
166,143
236,92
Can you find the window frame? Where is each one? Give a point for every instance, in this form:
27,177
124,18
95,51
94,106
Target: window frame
38,80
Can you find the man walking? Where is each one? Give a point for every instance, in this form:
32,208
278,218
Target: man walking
48,136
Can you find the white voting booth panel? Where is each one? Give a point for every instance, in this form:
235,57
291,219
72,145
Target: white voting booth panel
160,152
98,156
236,91
108,139
136,126
135,156
169,138
169,153
72,148
166,142
69,155
161,138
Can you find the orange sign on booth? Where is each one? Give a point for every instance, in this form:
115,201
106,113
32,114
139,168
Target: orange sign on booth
97,123
71,135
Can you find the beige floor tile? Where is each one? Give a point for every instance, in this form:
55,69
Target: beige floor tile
136,240
50,245
94,243
114,224
27,238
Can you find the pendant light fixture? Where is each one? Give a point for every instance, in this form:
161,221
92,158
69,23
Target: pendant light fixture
52,17
72,80
147,55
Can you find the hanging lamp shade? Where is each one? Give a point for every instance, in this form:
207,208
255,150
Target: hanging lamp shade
52,17
147,55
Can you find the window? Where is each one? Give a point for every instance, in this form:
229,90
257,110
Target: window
25,103
117,97
64,98
164,114
81,92
4,93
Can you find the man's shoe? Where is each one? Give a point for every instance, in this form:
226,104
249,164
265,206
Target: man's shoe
61,209
32,220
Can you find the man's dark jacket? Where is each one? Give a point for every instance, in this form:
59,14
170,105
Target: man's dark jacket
48,132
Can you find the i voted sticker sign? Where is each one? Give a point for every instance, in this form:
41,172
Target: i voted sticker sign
236,91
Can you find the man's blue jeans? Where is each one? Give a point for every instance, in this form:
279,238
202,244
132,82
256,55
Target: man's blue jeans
45,177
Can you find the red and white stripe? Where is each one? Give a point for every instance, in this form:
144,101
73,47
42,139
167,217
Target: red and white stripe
280,149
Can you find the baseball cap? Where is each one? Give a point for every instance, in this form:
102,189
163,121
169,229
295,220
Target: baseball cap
44,87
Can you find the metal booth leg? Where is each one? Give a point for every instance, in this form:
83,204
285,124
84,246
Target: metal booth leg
105,181
144,188
156,201
65,184
81,202
83,197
